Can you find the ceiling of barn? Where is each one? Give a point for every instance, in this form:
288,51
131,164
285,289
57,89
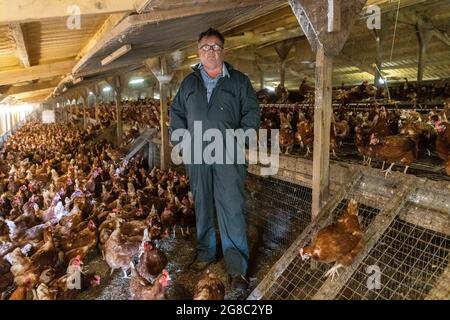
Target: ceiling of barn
38,51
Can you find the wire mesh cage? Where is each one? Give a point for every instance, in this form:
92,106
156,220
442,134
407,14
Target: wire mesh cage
302,280
280,209
413,253
410,259
154,155
410,252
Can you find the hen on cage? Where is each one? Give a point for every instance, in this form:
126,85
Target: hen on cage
339,242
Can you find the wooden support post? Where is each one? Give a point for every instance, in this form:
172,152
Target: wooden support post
423,37
283,48
160,69
117,84
327,35
261,80
334,15
378,59
96,91
322,123
282,73
118,90
165,150
84,96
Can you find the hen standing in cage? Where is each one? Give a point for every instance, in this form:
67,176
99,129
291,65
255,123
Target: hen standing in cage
340,242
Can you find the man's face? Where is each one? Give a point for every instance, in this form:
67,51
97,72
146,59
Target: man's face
211,59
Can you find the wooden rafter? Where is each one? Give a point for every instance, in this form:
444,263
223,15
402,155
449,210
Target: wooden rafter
35,72
156,15
25,11
29,87
16,32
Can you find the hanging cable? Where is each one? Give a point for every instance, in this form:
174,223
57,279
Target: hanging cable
395,30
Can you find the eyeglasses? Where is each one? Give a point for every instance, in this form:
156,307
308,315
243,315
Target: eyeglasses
214,47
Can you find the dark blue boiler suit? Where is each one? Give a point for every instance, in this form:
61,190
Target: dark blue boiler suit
218,188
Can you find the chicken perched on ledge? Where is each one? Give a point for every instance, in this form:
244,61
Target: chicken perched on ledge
395,149
340,242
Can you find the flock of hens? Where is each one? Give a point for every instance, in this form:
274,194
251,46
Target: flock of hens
391,136
63,196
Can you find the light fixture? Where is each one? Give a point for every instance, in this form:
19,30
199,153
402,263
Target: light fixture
116,54
91,93
271,89
136,81
381,81
106,89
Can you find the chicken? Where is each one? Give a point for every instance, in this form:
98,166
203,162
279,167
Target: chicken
73,281
120,249
443,139
22,268
6,277
43,292
340,242
22,293
169,219
305,133
286,134
46,256
209,288
187,218
447,167
151,261
79,243
399,148
141,289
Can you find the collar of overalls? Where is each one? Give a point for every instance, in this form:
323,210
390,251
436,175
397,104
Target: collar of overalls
199,66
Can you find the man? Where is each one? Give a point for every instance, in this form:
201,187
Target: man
222,98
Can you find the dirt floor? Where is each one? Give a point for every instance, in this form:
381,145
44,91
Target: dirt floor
180,252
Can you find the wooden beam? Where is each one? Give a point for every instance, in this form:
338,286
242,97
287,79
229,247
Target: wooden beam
109,24
161,70
85,94
423,35
16,32
24,11
29,87
322,123
35,72
334,15
315,25
283,48
413,18
156,15
117,84
30,94
444,37
314,22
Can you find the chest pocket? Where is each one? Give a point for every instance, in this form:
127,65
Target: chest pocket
195,105
227,107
